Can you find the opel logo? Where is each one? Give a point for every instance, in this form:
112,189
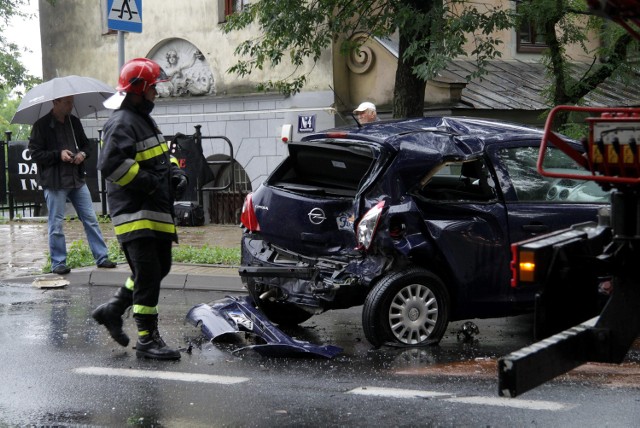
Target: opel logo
316,216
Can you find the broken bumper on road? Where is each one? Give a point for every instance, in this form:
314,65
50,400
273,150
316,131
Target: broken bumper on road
234,315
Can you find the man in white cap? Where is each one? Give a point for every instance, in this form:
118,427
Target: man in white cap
366,112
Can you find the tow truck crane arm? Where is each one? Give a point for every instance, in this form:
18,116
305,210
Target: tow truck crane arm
586,255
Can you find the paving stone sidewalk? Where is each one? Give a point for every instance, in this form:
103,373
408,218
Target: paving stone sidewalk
24,248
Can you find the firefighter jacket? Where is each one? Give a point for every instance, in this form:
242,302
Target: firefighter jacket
135,162
45,150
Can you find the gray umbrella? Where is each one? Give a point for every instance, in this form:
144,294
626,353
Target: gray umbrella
88,95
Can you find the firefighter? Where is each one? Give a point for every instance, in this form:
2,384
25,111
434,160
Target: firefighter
110,314
142,184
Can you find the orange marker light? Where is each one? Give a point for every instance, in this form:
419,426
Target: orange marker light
527,266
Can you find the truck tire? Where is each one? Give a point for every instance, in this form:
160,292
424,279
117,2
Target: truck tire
408,308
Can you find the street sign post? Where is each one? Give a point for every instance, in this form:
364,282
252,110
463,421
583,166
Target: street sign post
125,15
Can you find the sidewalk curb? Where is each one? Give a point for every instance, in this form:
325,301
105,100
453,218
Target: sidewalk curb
182,277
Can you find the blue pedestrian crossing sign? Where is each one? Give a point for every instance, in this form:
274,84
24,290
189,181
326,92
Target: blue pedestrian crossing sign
125,15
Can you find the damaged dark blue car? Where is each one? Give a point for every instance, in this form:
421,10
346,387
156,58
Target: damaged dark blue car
412,219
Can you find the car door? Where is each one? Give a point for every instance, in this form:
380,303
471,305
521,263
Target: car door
466,220
538,205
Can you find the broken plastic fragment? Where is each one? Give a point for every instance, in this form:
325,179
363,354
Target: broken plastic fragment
233,315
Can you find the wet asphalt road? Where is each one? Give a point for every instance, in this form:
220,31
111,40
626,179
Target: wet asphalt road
60,368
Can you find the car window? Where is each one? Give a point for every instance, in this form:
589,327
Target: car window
520,163
323,169
461,181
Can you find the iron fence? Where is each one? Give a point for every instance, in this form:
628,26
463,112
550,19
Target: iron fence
21,196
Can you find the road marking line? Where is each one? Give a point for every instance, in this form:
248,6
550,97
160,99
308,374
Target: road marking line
488,401
512,402
396,393
154,374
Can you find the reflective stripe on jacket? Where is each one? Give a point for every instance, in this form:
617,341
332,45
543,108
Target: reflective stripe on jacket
135,162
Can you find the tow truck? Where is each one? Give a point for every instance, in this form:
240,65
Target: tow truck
574,268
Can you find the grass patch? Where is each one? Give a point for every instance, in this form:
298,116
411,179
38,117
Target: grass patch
79,255
206,255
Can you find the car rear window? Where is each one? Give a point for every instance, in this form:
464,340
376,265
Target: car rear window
323,168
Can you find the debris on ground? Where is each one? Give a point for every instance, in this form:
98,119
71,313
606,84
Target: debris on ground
468,331
50,282
233,318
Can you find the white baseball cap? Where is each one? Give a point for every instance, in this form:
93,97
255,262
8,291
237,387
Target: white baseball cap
365,106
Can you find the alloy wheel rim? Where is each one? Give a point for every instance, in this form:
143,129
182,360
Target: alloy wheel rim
413,314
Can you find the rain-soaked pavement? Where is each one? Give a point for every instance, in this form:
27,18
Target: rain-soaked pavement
61,369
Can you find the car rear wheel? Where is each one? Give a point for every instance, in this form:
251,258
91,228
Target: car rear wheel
281,313
409,308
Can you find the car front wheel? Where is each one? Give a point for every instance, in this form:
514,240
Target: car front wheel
408,308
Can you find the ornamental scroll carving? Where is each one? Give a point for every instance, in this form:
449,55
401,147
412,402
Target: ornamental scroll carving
187,68
361,60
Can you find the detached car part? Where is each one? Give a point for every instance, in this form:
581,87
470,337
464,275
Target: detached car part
238,315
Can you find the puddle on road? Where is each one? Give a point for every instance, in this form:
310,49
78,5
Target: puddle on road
610,375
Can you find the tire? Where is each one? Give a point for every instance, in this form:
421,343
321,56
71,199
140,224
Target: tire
281,313
408,308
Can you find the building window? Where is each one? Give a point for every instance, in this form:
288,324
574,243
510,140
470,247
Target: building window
529,36
234,6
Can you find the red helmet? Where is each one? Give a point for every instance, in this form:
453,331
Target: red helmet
138,74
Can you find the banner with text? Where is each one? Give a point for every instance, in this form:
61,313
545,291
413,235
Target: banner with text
23,173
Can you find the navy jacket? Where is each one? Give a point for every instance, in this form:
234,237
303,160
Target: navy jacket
136,164
45,150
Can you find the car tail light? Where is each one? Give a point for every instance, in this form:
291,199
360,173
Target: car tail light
367,227
248,216
336,134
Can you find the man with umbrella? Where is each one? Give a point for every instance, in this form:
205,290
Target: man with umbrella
60,147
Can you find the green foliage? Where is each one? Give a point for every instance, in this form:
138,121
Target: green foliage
14,79
79,255
300,30
575,131
12,71
8,106
454,24
114,251
565,22
206,255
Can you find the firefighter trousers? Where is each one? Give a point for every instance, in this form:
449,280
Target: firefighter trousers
150,261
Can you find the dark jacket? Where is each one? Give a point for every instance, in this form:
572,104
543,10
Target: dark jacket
136,164
45,150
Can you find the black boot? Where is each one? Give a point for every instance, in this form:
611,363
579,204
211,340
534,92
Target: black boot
110,314
150,344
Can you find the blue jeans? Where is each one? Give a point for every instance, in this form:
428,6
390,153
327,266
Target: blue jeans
81,200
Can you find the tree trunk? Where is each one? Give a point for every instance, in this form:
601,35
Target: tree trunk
566,90
408,93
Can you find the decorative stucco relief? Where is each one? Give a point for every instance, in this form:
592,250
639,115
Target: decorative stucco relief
188,70
361,60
